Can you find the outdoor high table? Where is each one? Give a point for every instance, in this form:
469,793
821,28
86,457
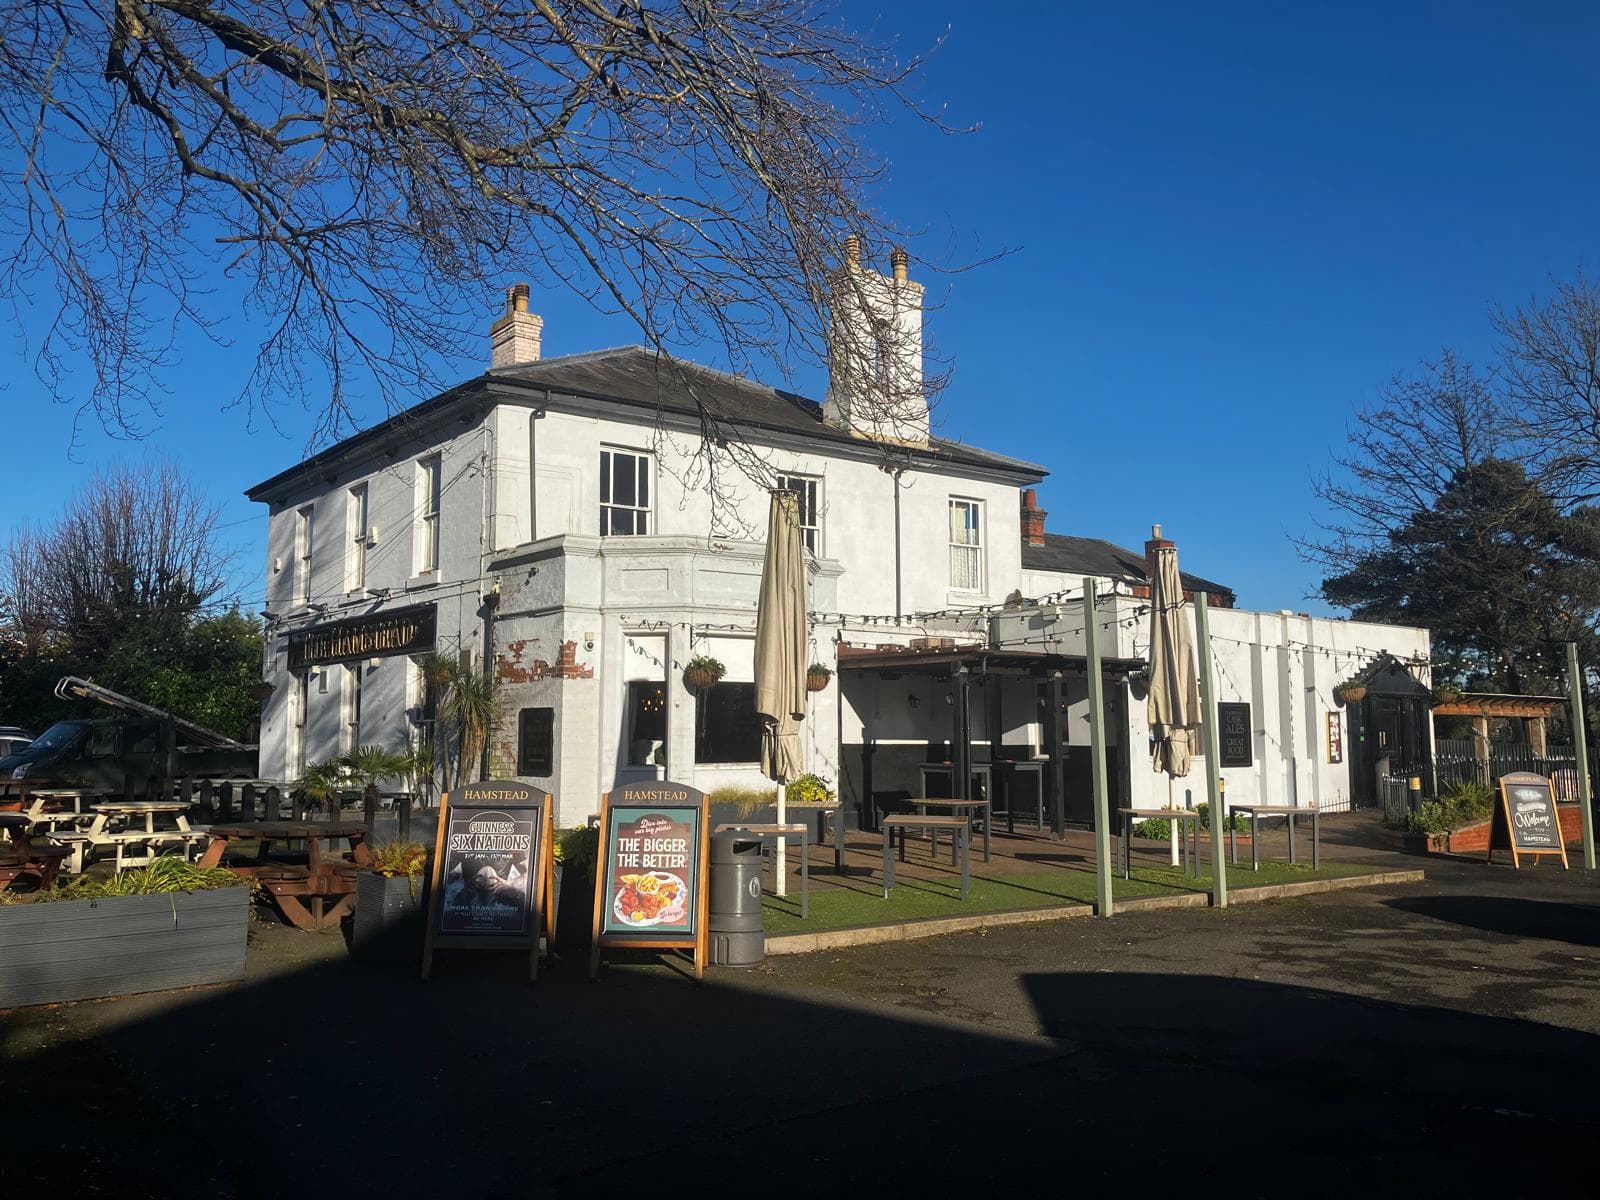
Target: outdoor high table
801,833
1289,812
960,831
289,884
1190,856
972,808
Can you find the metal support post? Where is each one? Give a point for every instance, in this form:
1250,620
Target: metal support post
1097,748
1580,747
1208,730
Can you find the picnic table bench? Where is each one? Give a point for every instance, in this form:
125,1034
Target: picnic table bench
1289,812
327,884
960,842
24,857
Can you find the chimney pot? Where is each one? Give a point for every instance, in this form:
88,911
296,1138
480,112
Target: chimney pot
515,339
852,250
900,262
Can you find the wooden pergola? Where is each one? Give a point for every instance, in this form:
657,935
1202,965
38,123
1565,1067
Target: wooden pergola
1533,711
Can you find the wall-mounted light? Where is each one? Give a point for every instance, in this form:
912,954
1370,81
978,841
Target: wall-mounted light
588,640
914,700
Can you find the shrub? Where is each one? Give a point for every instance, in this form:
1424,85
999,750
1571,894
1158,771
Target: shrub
809,789
578,849
394,859
1464,803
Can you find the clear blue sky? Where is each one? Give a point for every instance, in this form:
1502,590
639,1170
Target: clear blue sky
1232,223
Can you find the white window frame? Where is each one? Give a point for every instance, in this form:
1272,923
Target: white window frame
304,529
299,702
350,734
641,515
966,554
810,489
359,522
430,496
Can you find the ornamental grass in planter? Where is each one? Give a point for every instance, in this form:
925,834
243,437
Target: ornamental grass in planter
388,924
169,925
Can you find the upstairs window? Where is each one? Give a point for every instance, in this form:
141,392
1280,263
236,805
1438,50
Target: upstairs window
624,493
355,572
808,489
352,711
966,545
302,555
429,492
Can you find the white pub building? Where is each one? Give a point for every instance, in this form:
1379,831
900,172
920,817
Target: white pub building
550,521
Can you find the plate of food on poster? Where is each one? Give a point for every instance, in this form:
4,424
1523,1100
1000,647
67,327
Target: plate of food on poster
650,899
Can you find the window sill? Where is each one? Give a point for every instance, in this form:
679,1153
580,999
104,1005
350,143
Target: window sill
426,579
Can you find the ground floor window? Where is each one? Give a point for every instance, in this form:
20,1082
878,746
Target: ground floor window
647,723
726,727
536,742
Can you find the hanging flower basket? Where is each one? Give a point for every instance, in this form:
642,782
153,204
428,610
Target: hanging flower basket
1352,693
817,677
1446,693
263,690
703,673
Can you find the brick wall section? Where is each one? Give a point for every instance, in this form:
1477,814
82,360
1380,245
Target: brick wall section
1475,838
510,667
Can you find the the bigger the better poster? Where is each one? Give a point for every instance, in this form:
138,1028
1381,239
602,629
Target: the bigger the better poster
650,870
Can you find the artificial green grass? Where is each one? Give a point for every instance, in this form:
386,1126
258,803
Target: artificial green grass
862,903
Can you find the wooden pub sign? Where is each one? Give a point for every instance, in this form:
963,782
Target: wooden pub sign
651,884
1526,821
493,872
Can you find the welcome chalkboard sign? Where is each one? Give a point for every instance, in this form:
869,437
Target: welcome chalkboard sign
493,872
1526,821
651,886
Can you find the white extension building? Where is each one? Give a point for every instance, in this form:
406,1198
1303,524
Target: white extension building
552,520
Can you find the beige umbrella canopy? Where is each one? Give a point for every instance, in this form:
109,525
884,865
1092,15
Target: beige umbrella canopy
781,642
1174,703
781,655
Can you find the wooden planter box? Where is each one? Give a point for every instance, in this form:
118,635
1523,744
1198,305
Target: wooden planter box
388,922
80,949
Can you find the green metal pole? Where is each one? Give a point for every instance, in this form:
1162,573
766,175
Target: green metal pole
1097,750
1580,747
1208,729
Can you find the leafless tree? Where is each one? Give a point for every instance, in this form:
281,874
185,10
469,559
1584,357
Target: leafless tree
1551,353
139,539
374,168
1402,453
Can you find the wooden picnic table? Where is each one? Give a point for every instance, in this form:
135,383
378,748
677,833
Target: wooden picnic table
291,885
138,842
24,857
54,806
1289,812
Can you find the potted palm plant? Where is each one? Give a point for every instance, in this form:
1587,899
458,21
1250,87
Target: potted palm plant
703,672
471,707
366,765
388,922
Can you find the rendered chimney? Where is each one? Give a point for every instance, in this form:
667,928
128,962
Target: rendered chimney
876,388
514,339
1032,518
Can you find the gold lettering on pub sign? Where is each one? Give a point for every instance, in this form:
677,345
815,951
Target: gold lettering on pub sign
404,632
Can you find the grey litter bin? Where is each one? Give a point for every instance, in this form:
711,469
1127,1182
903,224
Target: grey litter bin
734,923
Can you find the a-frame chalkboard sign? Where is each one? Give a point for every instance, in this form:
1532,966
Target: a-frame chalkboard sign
1526,821
493,872
651,883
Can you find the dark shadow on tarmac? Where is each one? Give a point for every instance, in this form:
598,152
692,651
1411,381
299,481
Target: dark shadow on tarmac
1577,924
348,1081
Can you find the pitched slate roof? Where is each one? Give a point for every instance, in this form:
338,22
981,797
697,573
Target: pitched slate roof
1095,556
636,378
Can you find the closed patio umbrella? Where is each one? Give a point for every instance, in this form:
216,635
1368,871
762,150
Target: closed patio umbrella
780,653
1174,702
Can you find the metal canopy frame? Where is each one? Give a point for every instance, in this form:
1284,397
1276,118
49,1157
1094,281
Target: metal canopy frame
966,665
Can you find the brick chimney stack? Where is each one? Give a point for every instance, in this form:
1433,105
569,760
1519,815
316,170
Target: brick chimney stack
1032,518
514,339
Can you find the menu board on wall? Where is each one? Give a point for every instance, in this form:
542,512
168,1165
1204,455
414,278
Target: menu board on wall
1234,740
651,885
1526,820
492,871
